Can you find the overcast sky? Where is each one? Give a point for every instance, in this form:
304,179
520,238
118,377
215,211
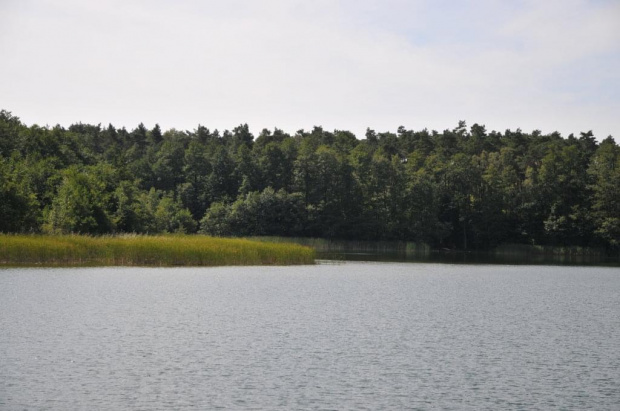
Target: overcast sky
347,65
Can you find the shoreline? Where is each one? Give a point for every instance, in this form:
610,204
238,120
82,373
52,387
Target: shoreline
147,251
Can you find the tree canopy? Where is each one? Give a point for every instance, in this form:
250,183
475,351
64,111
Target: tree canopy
464,188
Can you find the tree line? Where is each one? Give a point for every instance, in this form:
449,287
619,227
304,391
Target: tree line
464,188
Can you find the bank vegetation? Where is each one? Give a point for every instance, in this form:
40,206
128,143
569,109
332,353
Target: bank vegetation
463,188
140,250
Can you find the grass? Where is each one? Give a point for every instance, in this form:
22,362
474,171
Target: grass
136,250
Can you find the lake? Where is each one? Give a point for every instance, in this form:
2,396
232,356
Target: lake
332,336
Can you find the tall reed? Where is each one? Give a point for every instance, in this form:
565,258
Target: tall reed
136,250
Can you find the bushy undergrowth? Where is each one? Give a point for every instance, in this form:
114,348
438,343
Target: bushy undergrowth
135,250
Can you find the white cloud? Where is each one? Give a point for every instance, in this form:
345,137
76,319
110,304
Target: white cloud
559,32
294,64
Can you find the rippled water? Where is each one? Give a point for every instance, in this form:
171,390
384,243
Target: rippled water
347,336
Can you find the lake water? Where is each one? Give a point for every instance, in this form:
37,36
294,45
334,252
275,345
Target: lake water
338,336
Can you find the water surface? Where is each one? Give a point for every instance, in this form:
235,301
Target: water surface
339,336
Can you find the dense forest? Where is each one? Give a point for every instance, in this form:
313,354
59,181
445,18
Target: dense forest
464,188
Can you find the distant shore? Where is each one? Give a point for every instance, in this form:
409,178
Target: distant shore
199,250
139,250
412,251
422,249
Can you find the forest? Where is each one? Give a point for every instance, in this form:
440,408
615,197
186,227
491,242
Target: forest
461,188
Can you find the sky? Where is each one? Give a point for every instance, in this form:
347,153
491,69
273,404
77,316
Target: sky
551,65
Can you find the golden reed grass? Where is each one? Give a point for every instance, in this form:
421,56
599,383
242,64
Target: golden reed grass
137,250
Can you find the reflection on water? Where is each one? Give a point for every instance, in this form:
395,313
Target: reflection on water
472,258
345,336
398,251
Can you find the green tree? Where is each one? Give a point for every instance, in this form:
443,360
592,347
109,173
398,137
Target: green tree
171,217
217,220
194,191
132,213
605,171
223,181
80,205
18,204
10,128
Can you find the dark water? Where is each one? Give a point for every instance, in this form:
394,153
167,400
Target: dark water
342,336
460,257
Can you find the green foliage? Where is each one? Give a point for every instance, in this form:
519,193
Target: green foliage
18,204
80,206
258,213
465,187
171,217
133,210
605,172
217,221
10,128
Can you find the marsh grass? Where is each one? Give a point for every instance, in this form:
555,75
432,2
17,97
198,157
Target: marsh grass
135,250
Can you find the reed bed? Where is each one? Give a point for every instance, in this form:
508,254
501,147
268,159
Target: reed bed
137,250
